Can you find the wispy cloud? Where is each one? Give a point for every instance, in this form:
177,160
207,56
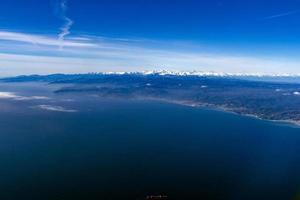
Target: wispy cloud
293,12
7,95
55,108
11,95
65,29
41,40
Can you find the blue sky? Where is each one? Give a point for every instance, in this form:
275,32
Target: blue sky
75,36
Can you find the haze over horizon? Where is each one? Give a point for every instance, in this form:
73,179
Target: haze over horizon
60,36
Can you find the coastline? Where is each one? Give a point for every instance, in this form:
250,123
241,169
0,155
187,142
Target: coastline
221,108
292,123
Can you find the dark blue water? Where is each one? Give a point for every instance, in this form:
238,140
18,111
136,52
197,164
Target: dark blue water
113,149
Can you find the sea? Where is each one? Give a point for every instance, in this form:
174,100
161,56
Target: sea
86,147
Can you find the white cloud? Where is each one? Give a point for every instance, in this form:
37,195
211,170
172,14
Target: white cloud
40,40
7,95
283,14
65,29
55,108
14,96
22,98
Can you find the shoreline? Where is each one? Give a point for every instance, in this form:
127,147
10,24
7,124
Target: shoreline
189,103
292,123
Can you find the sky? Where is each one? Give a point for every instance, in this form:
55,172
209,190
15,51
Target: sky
75,36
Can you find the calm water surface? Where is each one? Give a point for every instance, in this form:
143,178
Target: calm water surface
123,149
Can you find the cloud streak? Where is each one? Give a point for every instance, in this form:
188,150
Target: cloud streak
65,29
293,12
41,40
11,95
55,108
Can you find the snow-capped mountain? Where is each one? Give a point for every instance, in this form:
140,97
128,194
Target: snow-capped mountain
202,73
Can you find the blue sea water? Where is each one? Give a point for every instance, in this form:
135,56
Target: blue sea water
127,149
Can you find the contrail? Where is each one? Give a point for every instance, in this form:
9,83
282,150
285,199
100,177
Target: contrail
65,29
283,14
